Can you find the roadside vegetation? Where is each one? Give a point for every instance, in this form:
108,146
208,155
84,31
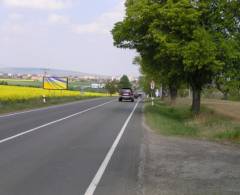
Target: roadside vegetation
178,120
21,82
112,87
73,85
13,98
189,48
190,43
17,94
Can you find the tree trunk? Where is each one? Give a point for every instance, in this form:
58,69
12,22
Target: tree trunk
163,93
225,96
173,94
196,100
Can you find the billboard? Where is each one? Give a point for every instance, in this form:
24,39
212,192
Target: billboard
55,83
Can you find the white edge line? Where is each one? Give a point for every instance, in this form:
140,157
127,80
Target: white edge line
97,178
49,107
53,122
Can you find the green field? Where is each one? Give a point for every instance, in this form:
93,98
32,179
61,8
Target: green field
22,82
77,85
14,98
73,85
179,121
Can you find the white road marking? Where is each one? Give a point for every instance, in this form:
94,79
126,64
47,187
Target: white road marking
92,187
53,122
47,108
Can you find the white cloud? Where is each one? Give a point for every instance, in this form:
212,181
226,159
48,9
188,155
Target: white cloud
15,17
14,24
13,28
38,4
58,19
103,24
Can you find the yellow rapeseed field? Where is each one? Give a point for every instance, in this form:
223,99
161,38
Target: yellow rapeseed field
15,93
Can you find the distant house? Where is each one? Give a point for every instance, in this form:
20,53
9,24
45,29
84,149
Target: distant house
97,86
89,77
36,77
26,76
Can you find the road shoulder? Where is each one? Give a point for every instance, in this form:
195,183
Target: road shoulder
186,166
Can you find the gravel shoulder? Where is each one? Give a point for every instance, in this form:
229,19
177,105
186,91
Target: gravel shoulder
179,166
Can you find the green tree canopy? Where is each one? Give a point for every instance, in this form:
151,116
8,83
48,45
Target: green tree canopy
181,40
111,87
124,82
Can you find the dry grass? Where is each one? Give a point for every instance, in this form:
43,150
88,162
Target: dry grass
229,109
209,124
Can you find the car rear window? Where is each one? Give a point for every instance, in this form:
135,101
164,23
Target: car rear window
126,90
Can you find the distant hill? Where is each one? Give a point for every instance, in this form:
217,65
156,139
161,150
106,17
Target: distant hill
52,72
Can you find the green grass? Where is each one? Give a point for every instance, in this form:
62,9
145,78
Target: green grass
21,82
169,121
73,85
229,134
76,85
8,107
179,121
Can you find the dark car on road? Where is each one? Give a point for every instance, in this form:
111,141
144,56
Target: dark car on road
126,94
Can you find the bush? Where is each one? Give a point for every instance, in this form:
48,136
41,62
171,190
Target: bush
3,83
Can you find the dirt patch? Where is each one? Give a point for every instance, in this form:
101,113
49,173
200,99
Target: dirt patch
179,166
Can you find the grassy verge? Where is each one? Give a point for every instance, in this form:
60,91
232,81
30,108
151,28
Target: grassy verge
179,121
13,106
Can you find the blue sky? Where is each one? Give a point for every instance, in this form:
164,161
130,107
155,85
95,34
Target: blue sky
65,34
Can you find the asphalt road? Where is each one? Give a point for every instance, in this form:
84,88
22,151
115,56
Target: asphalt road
88,147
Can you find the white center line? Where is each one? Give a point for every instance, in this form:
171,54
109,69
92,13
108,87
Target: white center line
92,187
53,122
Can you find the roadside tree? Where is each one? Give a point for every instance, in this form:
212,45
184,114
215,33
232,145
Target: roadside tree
124,82
182,40
111,87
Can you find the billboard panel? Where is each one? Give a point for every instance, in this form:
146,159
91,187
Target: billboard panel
55,83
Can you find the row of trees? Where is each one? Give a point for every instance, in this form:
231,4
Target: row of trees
191,42
114,85
3,83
